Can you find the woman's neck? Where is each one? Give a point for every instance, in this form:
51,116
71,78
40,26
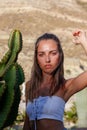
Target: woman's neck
47,78
46,83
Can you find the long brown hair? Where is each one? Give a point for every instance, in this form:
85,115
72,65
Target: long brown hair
36,73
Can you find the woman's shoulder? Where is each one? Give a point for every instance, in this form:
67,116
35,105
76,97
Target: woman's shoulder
68,85
68,82
68,89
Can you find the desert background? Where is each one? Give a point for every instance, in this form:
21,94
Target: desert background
35,17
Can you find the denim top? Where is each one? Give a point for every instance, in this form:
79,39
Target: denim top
49,107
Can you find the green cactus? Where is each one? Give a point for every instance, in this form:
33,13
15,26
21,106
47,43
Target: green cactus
11,77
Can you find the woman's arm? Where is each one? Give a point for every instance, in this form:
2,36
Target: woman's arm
79,37
80,82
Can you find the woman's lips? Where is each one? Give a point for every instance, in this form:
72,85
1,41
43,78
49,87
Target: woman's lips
48,66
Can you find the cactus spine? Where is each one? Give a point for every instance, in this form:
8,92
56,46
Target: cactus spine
11,77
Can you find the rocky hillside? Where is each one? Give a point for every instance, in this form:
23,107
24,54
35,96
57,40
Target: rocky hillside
34,18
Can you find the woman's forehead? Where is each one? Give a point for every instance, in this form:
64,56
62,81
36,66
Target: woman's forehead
47,44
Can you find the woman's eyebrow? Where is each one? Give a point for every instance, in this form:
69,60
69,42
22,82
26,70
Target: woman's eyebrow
49,51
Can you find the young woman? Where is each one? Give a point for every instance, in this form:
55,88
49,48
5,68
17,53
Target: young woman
47,91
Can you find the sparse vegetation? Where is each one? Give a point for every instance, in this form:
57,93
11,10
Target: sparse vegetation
70,115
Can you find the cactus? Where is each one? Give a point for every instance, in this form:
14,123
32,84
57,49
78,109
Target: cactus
11,77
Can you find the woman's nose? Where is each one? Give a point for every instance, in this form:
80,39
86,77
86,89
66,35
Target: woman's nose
47,58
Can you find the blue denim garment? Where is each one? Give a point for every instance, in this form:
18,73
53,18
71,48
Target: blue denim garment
50,107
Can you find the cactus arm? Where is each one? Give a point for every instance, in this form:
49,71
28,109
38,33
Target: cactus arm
20,74
11,77
4,67
15,46
2,88
17,94
14,41
5,58
9,94
14,108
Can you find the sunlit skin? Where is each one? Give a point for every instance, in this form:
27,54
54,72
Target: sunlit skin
47,56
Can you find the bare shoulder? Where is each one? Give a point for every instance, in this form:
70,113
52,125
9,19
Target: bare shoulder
76,84
68,83
68,88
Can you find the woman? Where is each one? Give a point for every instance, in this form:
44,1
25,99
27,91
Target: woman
48,90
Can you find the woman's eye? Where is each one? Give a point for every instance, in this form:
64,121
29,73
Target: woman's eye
53,53
40,54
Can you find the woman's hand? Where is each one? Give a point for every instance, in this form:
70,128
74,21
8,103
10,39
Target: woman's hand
80,38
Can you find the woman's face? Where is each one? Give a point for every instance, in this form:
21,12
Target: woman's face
47,56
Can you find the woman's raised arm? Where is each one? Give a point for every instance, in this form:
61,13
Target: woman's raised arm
79,82
80,37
